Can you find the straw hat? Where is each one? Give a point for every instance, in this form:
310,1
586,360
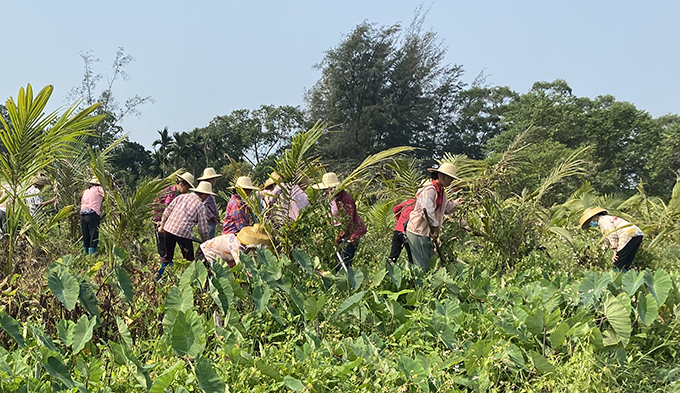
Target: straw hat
94,180
589,214
329,180
187,177
273,179
204,187
245,183
447,169
254,235
209,173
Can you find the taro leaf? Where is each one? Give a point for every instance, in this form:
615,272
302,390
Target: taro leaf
165,380
358,279
414,372
65,329
349,303
261,295
659,285
298,299
82,333
187,335
310,308
207,378
274,312
180,300
124,331
450,308
609,338
123,356
268,370
293,384
542,364
342,370
304,260
124,282
377,278
195,274
394,272
558,335
444,331
592,286
618,318
631,281
45,340
12,327
221,292
535,322
648,309
64,286
515,355
58,370
119,254
88,299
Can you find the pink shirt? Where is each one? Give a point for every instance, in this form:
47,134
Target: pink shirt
92,199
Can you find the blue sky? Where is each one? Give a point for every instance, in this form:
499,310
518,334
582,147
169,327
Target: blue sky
201,59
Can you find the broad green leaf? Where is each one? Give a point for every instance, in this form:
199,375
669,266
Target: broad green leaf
180,300
394,272
119,254
82,333
558,335
310,308
57,369
88,299
274,312
349,302
165,380
592,286
516,356
542,364
659,285
377,278
268,370
12,327
648,309
195,274
261,295
293,384
123,356
45,339
124,282
631,281
187,335
304,260
618,318
535,322
64,286
347,367
414,372
124,331
207,378
65,329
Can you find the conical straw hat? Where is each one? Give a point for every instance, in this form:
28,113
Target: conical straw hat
209,173
94,180
254,235
589,214
204,187
187,177
245,183
329,180
447,169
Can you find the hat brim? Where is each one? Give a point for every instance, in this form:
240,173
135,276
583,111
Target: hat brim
447,174
209,177
185,180
590,217
246,187
325,186
196,190
247,238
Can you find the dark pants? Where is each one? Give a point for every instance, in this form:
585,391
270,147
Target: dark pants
160,240
89,223
624,258
185,245
399,241
3,221
346,250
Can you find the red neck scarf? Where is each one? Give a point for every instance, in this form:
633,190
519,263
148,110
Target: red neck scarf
441,193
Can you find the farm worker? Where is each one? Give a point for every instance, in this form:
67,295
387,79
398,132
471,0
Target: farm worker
211,176
623,237
290,197
430,198
179,219
236,217
34,199
185,181
228,247
90,213
344,211
401,212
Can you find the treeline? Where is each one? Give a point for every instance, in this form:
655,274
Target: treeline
387,86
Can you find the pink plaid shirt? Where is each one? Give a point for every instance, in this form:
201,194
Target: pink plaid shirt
182,214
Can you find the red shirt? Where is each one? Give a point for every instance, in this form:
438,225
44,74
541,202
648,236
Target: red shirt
354,228
165,197
401,212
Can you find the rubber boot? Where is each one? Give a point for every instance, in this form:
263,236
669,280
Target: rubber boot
92,250
162,269
85,250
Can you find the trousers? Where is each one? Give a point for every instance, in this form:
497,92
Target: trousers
89,223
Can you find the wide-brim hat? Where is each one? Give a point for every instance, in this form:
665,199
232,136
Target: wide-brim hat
94,180
245,183
204,187
187,177
209,173
254,235
447,169
589,214
273,179
329,180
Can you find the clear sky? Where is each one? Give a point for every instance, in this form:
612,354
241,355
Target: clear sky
199,59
